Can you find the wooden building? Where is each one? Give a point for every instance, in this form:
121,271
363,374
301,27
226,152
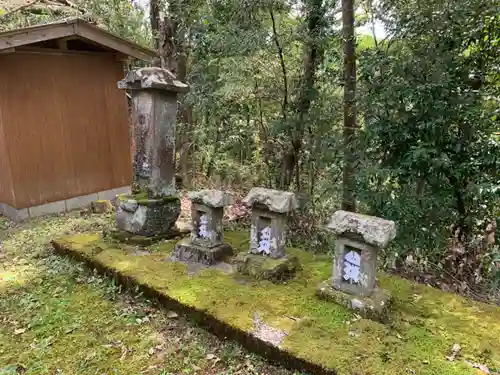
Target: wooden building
64,129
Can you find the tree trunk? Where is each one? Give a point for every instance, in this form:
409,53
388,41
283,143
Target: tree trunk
350,126
313,55
154,19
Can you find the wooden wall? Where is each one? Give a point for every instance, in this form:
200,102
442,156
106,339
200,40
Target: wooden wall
6,191
66,125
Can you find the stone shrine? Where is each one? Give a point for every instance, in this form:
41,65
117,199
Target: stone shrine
153,207
206,242
266,258
359,239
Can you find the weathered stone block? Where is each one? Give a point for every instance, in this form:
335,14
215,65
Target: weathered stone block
207,225
269,217
207,211
101,206
264,268
152,78
373,230
273,200
154,109
363,280
211,198
355,262
147,217
271,225
374,307
186,251
144,241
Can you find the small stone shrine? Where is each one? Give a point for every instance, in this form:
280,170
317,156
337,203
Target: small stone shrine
154,206
359,239
206,243
267,258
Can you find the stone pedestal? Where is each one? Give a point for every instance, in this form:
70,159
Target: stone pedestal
206,243
359,238
153,207
148,217
265,268
270,210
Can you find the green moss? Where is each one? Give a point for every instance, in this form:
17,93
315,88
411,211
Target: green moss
424,323
144,197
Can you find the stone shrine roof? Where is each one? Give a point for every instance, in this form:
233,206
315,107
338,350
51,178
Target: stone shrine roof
275,200
211,198
152,78
374,230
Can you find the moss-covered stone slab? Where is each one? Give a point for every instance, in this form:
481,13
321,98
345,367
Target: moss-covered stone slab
375,306
186,251
262,267
138,240
297,329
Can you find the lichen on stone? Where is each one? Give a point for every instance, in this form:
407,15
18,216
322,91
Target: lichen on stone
374,230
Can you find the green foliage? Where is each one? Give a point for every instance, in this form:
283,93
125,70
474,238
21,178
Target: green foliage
431,104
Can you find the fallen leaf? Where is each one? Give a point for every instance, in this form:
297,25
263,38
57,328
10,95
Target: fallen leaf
19,331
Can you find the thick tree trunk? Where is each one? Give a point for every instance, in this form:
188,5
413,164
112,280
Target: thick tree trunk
350,127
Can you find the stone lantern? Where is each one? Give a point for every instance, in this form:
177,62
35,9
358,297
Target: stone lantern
206,243
153,207
266,258
359,239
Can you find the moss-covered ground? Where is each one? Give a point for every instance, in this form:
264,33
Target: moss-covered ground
424,325
58,318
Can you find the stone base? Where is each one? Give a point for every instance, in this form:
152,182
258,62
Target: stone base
185,251
66,205
261,267
146,216
138,240
374,307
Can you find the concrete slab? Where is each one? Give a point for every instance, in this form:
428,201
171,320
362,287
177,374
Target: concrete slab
13,213
47,209
80,202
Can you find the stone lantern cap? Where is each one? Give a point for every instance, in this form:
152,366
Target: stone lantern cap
374,230
274,200
211,198
152,78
